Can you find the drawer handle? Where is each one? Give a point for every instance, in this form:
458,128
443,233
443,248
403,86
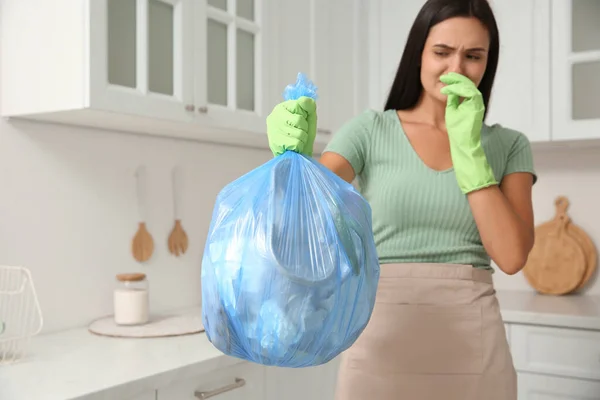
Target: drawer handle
239,382
323,131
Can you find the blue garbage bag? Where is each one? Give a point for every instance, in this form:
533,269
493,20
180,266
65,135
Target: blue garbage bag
290,269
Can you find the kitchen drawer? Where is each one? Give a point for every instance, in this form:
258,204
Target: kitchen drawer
545,387
557,351
150,395
242,381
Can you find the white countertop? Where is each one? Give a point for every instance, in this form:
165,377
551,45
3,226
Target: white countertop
569,311
76,364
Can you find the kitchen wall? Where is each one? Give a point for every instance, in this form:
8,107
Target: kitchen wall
68,212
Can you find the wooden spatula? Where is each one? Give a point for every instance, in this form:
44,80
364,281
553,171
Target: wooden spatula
142,246
178,240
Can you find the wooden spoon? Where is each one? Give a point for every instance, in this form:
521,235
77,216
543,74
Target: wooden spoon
178,240
142,246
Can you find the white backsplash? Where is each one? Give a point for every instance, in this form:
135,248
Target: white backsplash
68,212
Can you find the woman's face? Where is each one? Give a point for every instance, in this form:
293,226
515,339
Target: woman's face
454,45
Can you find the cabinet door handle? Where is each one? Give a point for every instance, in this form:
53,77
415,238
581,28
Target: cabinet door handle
202,110
189,107
323,131
239,382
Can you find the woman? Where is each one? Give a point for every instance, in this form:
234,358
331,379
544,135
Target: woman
447,193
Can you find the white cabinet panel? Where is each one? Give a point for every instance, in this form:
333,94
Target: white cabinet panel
545,387
557,351
242,381
521,94
575,69
150,395
390,22
314,383
134,68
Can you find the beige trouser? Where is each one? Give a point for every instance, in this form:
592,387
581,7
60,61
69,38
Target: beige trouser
435,334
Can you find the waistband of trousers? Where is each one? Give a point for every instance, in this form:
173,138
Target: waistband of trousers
436,271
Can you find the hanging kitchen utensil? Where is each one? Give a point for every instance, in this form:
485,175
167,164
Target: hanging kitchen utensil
142,246
178,240
557,263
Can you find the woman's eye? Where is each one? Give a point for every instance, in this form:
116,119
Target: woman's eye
441,54
474,57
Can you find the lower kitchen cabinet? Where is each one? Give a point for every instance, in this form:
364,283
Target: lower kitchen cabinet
150,395
248,381
552,363
243,381
314,383
555,363
543,387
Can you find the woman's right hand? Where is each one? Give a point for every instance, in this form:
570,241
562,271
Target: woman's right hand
292,125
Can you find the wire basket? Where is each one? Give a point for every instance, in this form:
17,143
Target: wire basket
20,313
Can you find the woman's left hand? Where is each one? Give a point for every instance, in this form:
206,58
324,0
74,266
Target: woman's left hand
464,120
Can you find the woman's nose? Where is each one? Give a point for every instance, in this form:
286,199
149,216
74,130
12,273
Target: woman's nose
456,64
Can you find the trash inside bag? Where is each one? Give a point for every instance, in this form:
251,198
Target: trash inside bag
290,269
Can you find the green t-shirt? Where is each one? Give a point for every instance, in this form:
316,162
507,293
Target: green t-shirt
420,214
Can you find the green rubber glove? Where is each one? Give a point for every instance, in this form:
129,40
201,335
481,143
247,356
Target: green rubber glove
464,121
292,125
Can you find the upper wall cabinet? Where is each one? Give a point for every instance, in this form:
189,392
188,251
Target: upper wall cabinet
389,24
521,95
184,68
576,69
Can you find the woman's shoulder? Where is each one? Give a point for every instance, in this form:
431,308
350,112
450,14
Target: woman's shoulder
503,132
371,116
502,137
367,123
508,150
373,121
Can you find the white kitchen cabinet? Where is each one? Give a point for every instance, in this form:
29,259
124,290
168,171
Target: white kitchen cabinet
521,95
389,24
149,395
575,69
556,351
544,387
180,68
315,383
243,381
554,362
327,41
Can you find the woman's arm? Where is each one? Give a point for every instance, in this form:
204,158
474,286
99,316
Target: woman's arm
504,217
338,165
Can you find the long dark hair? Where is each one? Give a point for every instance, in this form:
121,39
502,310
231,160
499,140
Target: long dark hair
406,89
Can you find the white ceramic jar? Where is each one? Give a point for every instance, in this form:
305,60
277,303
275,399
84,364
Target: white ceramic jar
131,299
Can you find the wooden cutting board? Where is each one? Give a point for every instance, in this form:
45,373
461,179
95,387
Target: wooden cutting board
563,257
589,250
